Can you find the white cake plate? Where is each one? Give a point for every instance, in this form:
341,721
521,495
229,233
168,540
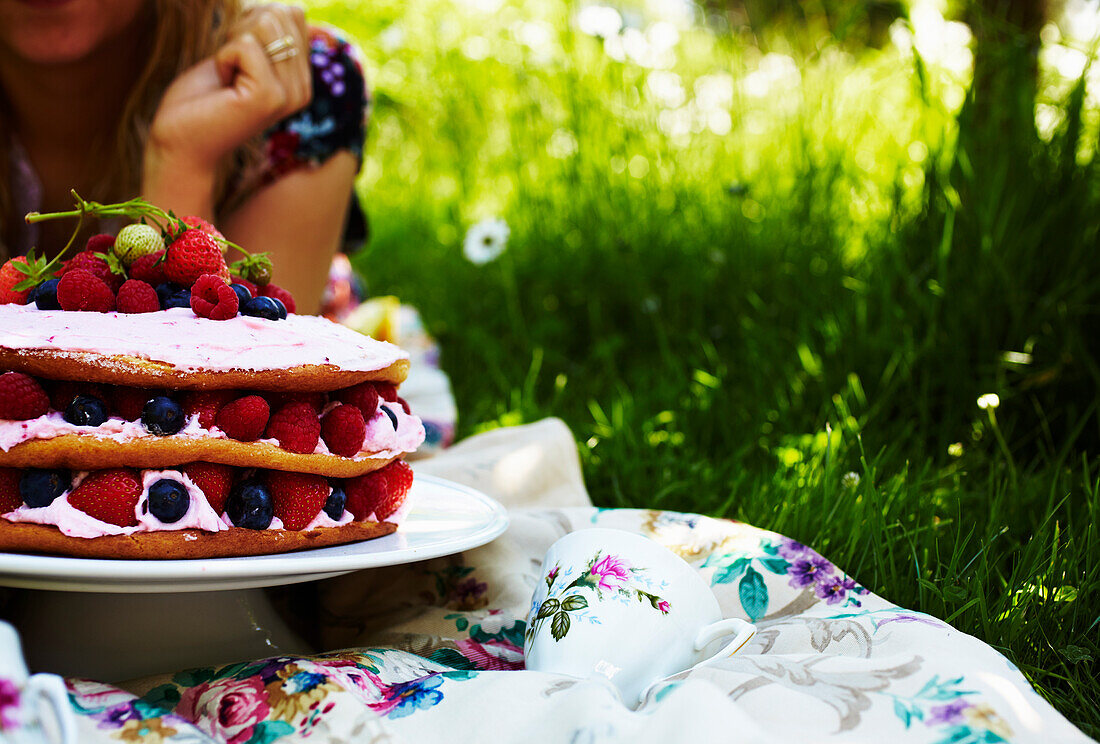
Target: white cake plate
113,619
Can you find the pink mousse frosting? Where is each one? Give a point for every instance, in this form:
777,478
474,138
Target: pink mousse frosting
179,338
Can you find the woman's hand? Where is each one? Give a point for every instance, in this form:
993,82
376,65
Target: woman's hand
258,77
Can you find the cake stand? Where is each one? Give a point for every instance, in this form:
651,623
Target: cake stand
115,620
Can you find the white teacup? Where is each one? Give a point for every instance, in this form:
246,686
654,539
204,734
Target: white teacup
34,709
618,605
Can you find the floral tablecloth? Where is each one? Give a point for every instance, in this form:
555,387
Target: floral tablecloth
433,651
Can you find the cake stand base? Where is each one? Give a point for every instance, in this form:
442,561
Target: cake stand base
117,637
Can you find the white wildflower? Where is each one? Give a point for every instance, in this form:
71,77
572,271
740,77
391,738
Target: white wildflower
989,400
955,449
850,480
485,241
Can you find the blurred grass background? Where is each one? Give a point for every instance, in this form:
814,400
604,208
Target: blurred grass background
765,258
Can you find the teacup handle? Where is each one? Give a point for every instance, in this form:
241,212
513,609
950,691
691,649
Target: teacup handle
51,688
712,632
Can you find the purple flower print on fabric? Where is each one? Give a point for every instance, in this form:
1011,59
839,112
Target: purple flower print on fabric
809,570
834,589
951,713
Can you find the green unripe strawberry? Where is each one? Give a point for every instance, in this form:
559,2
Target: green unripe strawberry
135,241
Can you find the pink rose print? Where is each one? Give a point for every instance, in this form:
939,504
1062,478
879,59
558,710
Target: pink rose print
612,571
227,709
663,606
9,704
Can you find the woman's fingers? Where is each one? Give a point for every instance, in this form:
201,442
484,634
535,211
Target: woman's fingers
284,36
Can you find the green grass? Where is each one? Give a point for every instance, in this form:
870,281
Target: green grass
731,322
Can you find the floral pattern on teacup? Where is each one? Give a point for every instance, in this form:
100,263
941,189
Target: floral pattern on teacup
603,573
9,704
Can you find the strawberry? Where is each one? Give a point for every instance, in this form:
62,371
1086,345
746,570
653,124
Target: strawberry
136,296
10,498
363,396
128,402
212,298
149,269
297,497
343,430
206,403
135,241
21,397
109,496
381,492
89,261
280,294
197,223
80,289
296,427
244,419
213,480
193,254
100,243
9,277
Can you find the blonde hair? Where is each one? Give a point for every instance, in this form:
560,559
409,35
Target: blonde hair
183,33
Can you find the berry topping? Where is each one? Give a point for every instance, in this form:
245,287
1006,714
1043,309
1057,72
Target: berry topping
249,505
162,416
88,261
244,419
39,488
381,492
85,410
193,254
136,296
296,427
10,498
149,269
343,430
109,496
21,397
276,292
82,290
262,307
100,243
317,400
242,292
135,241
213,480
386,391
198,223
206,404
175,298
44,296
168,500
128,402
10,275
62,392
334,506
363,396
297,497
253,290
393,416
213,298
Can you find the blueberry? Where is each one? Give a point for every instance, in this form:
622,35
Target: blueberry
86,410
243,295
391,414
280,307
249,505
168,500
166,290
334,507
45,295
41,487
263,307
182,298
162,416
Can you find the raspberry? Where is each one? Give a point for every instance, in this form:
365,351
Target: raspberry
62,392
136,296
280,294
135,241
206,404
213,298
193,254
363,396
252,288
10,498
149,269
213,480
316,400
128,402
9,277
381,492
89,261
82,290
296,427
109,496
297,497
343,430
386,391
100,243
21,397
244,419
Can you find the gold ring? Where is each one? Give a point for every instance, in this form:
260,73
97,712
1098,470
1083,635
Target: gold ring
280,45
282,54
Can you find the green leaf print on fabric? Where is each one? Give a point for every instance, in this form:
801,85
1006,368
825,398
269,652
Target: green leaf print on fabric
753,593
